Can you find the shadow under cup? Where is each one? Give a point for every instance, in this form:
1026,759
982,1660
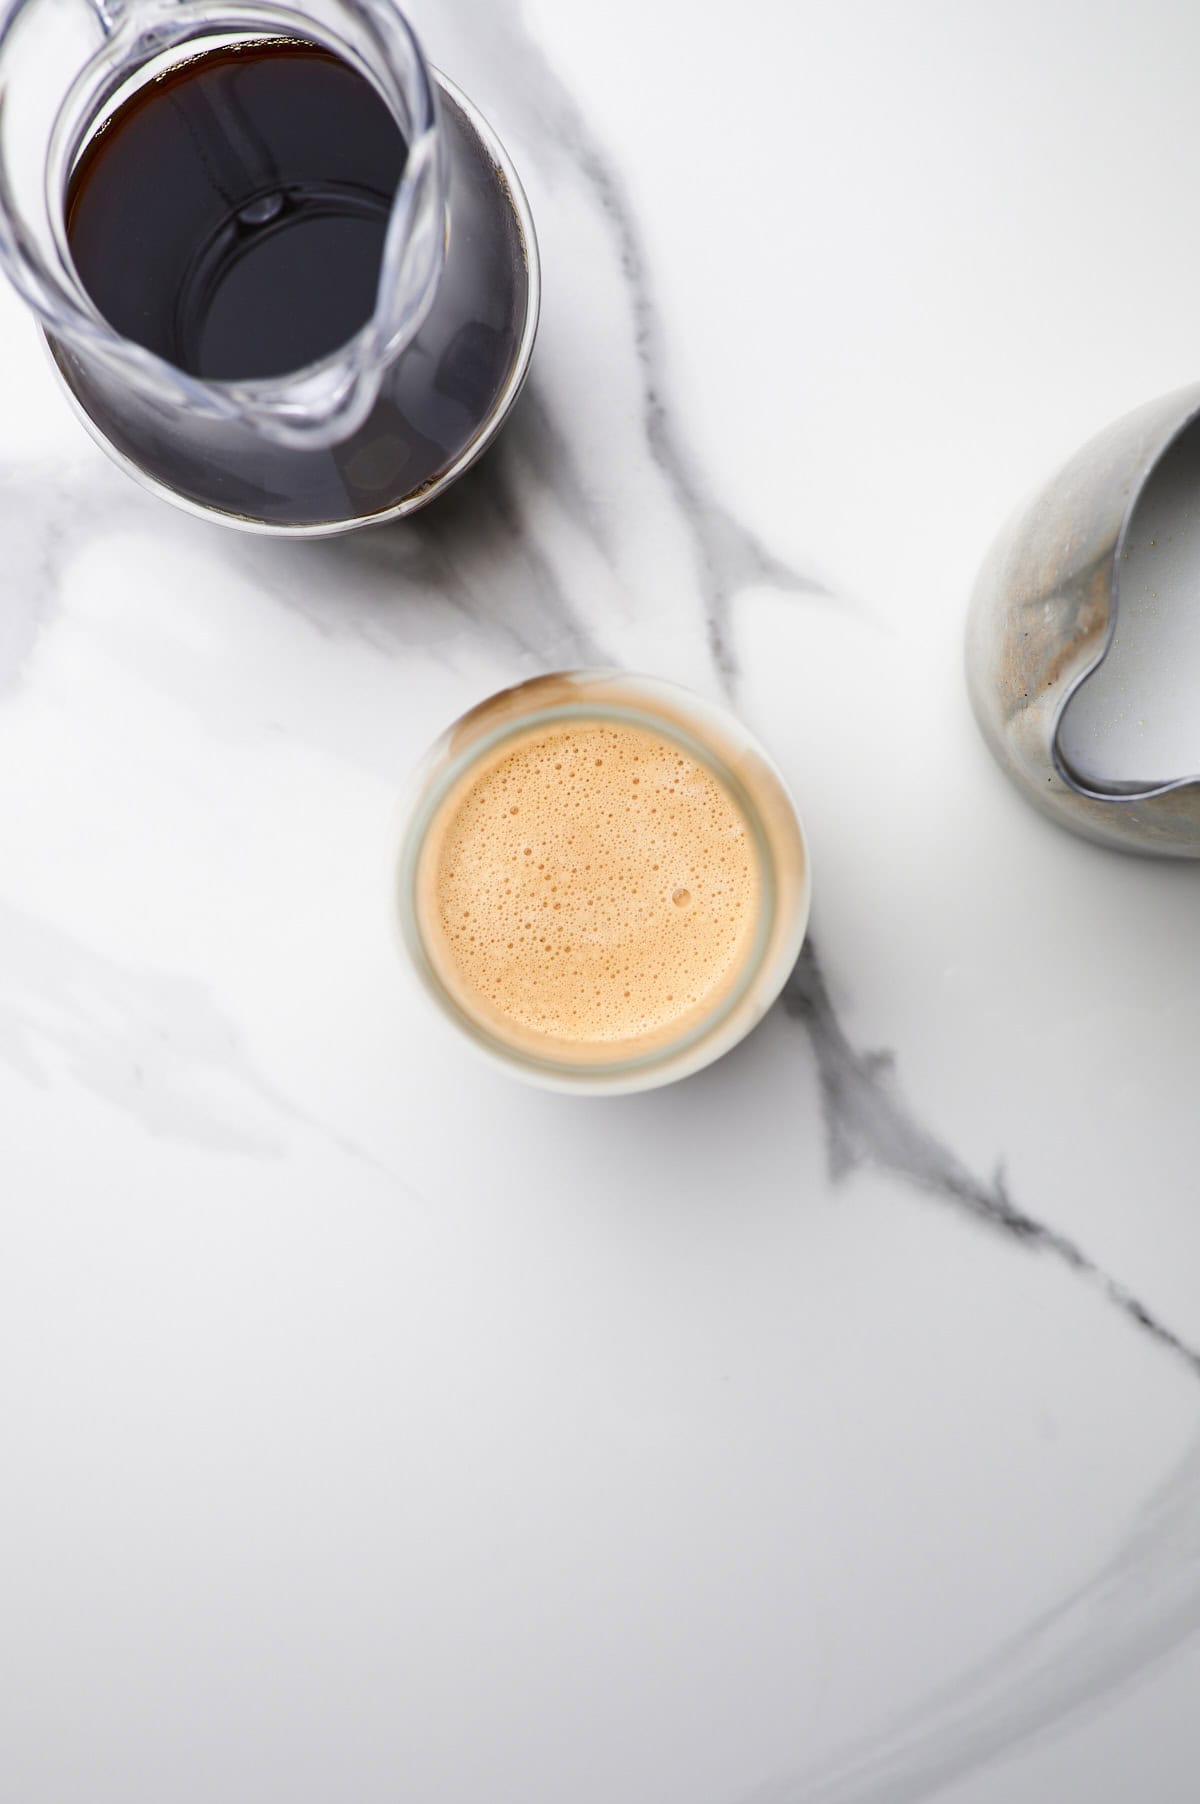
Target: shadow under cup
716,741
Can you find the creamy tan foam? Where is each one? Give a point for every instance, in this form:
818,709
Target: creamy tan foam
590,883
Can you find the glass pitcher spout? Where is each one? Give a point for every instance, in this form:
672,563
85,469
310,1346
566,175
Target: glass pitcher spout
67,66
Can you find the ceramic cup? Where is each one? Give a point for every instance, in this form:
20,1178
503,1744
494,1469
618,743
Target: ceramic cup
716,740
1043,618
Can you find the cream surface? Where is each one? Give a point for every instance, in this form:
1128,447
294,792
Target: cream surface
592,883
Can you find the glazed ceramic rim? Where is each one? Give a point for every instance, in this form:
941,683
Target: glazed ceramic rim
766,969
514,193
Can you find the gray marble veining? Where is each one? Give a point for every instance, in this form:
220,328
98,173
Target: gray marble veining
1136,1610
475,558
153,1045
503,55
869,1122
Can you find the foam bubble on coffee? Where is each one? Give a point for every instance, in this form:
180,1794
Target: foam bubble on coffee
594,883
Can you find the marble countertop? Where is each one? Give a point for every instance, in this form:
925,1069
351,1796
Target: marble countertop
825,1430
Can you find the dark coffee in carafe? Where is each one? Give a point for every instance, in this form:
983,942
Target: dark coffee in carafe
230,216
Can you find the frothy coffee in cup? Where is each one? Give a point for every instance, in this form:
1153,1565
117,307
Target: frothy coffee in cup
594,883
604,871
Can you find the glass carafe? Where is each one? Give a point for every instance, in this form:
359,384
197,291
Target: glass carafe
368,432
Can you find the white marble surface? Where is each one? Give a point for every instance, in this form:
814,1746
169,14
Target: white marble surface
374,1429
